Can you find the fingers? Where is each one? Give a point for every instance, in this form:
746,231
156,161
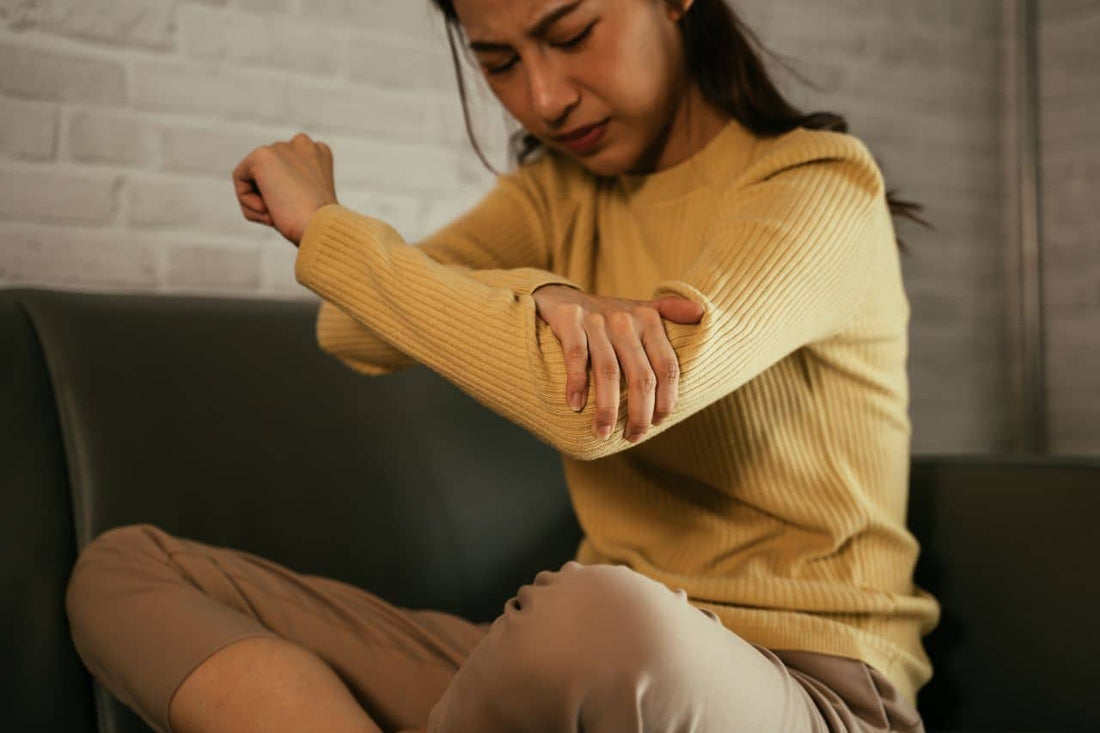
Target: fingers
605,372
248,194
574,344
633,343
640,380
256,217
666,366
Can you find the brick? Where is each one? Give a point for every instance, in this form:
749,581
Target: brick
188,204
208,268
395,166
263,6
398,63
392,115
409,17
211,91
210,150
445,209
55,196
447,126
109,137
268,42
41,73
145,23
28,130
404,213
78,258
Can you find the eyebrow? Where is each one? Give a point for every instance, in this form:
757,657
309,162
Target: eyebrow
535,31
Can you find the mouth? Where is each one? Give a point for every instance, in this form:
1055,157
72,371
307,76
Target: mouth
579,133
584,139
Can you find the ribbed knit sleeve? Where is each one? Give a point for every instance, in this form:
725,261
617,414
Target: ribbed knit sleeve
783,264
786,262
507,229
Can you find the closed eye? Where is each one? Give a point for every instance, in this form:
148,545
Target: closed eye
573,42
576,40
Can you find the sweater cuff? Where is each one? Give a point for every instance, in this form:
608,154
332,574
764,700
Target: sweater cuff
318,236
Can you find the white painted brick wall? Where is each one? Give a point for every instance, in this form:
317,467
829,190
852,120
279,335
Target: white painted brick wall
1070,131
120,121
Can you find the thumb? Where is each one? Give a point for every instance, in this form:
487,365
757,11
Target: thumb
678,310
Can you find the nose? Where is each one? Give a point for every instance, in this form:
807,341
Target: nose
552,92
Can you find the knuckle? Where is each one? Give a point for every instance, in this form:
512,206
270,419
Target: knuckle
645,382
620,320
594,320
608,370
670,369
577,353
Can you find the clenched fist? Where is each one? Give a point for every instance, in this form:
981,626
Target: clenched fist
284,183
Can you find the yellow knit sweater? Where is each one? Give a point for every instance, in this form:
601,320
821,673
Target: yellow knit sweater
775,493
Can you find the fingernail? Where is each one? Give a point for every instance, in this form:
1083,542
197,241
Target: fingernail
575,401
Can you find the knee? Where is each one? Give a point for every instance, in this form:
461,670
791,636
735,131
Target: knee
109,564
596,627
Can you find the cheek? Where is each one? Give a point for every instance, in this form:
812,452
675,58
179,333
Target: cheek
632,70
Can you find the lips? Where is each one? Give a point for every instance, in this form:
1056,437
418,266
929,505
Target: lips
578,133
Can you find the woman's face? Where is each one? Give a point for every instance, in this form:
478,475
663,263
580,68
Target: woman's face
561,65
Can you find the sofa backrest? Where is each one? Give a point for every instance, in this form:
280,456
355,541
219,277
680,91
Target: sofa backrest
1008,546
220,420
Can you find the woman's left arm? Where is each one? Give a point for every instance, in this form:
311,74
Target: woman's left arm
787,261
783,266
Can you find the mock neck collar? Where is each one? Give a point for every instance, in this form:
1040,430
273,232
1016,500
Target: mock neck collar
713,165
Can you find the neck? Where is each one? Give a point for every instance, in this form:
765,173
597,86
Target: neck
694,124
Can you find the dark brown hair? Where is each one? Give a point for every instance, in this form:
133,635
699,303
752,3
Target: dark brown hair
724,59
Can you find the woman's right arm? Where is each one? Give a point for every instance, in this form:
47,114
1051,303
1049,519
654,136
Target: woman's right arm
502,238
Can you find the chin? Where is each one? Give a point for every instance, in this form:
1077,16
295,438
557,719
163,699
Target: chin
603,163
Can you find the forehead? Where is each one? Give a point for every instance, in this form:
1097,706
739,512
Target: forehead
499,19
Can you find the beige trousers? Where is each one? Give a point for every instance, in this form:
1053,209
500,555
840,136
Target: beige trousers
594,648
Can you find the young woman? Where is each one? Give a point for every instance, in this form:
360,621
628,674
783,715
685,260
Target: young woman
694,293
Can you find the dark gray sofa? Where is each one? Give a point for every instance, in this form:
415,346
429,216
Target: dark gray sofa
220,419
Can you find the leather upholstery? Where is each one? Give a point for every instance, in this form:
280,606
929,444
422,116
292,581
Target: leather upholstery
1009,548
220,419
43,685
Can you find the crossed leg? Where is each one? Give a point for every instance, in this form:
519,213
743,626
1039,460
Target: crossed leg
193,636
